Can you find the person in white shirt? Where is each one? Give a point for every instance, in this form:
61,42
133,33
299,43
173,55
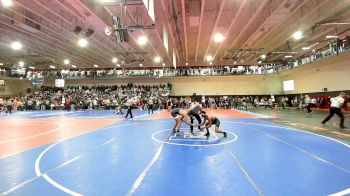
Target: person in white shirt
2,105
129,104
308,104
336,107
118,107
295,102
150,105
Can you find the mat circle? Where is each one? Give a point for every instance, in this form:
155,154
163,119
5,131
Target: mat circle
218,142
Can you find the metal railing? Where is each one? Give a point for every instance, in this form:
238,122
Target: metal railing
311,57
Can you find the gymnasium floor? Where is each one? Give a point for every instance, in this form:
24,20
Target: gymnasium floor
99,153
298,119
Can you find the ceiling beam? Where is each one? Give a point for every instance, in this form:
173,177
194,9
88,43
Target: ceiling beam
199,29
234,20
316,11
218,16
44,37
275,7
169,30
110,42
104,18
251,17
65,25
266,26
151,44
184,26
55,33
313,37
132,35
41,46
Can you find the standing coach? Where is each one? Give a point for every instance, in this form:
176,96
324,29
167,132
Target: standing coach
336,107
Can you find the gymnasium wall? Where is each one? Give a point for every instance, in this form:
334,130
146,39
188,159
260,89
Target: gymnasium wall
183,86
13,87
235,85
332,73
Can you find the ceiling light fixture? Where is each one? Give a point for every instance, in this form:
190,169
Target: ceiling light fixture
186,63
114,60
108,31
118,65
163,64
140,64
66,61
95,65
288,56
263,56
210,63
6,3
82,42
218,37
142,40
157,59
305,48
16,45
52,67
31,67
74,66
259,62
331,36
21,64
209,58
297,35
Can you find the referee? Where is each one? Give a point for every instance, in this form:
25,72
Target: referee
308,104
194,111
150,105
129,104
336,107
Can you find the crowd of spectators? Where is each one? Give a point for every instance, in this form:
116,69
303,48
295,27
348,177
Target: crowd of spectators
238,102
90,98
5,72
166,72
142,96
329,50
254,102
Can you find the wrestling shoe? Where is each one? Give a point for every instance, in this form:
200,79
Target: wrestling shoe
225,134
